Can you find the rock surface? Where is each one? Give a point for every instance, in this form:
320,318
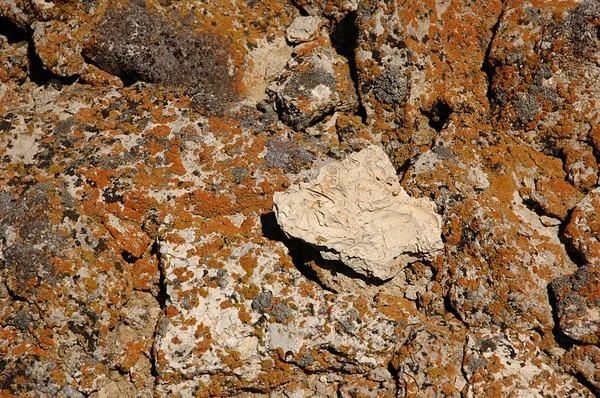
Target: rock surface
142,143
355,211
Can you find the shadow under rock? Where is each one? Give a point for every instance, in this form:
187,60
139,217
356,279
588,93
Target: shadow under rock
302,254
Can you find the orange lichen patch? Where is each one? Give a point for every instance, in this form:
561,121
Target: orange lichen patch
171,312
129,236
20,349
248,261
208,204
133,351
244,316
394,307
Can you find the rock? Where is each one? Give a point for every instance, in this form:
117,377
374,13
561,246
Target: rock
312,87
439,373
58,50
140,154
584,361
472,184
577,304
540,86
335,10
407,61
356,212
513,363
304,29
134,43
246,335
583,230
14,64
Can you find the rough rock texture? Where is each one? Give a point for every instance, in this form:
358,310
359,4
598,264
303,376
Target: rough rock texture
304,29
140,152
135,44
578,304
311,87
356,212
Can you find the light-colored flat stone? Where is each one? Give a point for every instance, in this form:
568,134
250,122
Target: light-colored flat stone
357,212
304,29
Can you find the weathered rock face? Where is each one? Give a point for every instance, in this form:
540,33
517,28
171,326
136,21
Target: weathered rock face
578,304
135,44
355,211
140,153
312,87
418,63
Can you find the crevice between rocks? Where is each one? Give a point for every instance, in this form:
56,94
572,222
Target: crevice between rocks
394,373
37,72
581,379
344,38
575,255
449,308
566,343
487,66
161,298
563,341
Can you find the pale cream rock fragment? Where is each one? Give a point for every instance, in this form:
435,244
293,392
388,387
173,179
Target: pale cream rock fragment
304,29
356,211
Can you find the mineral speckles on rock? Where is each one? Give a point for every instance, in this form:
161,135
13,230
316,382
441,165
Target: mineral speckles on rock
355,211
313,86
578,304
135,43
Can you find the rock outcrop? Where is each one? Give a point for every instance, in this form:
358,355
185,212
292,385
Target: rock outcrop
144,143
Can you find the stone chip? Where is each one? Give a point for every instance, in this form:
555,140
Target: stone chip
357,212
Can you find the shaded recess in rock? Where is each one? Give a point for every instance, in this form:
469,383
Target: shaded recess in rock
135,44
438,115
11,31
162,298
344,38
37,72
564,341
487,67
302,253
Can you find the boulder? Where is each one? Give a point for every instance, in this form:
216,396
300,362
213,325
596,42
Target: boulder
355,211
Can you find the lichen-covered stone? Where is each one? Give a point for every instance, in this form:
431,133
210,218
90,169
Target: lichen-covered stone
312,87
58,50
578,304
544,74
335,10
438,373
583,230
355,211
584,360
14,63
495,274
417,63
134,43
139,255
497,363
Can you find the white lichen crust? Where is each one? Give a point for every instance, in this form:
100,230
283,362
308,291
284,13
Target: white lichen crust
357,212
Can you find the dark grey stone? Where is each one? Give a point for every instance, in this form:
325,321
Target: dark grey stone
262,302
136,44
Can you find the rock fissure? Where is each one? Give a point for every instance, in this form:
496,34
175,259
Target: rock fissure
487,66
